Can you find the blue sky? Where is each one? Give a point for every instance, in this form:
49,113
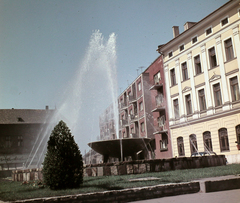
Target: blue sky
43,42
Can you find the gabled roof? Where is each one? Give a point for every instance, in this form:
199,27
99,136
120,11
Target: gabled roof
25,116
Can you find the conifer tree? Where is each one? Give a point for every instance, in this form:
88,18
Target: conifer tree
62,166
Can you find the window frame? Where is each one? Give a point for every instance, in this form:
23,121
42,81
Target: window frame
180,145
181,47
207,34
193,38
164,142
237,128
193,140
207,140
139,86
197,64
188,103
217,92
224,24
184,71
229,50
202,100
235,94
176,108
223,139
173,77
142,127
212,57
141,106
157,78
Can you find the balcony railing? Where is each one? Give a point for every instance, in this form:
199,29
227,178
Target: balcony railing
123,122
134,135
132,98
123,105
133,117
156,84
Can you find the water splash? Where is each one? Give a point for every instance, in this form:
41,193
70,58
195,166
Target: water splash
92,89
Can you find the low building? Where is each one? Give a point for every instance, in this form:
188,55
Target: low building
23,136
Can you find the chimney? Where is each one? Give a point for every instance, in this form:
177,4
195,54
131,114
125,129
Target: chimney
175,31
188,25
46,107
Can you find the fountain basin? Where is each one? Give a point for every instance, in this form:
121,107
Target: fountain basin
112,148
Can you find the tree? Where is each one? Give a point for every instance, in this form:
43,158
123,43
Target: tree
62,166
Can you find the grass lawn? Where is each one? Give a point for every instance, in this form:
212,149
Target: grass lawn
10,191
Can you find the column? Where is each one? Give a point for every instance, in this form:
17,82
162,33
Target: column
237,43
168,95
181,107
194,96
225,95
206,77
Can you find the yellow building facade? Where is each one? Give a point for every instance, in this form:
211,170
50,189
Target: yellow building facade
202,84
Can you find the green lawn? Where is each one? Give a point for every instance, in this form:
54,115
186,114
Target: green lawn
10,191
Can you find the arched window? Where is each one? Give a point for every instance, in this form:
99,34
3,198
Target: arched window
180,144
223,139
238,133
207,141
193,143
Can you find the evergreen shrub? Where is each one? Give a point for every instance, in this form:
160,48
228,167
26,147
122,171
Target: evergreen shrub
62,166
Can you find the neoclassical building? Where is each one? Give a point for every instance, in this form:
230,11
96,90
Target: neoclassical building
201,67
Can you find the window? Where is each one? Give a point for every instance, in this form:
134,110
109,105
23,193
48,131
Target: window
180,144
193,143
139,86
208,31
164,142
161,121
141,106
176,108
217,94
223,139
212,57
184,71
159,99
8,142
229,49
170,54
20,141
207,141
173,77
142,127
157,78
188,104
224,21
197,62
194,39
132,130
238,133
234,89
181,47
202,100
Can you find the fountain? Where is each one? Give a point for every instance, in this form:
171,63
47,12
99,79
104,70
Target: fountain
93,87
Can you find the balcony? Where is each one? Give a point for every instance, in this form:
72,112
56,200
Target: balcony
123,122
123,105
160,103
133,117
132,98
156,85
134,135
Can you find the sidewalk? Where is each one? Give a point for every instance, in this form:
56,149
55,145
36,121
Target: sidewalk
207,185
